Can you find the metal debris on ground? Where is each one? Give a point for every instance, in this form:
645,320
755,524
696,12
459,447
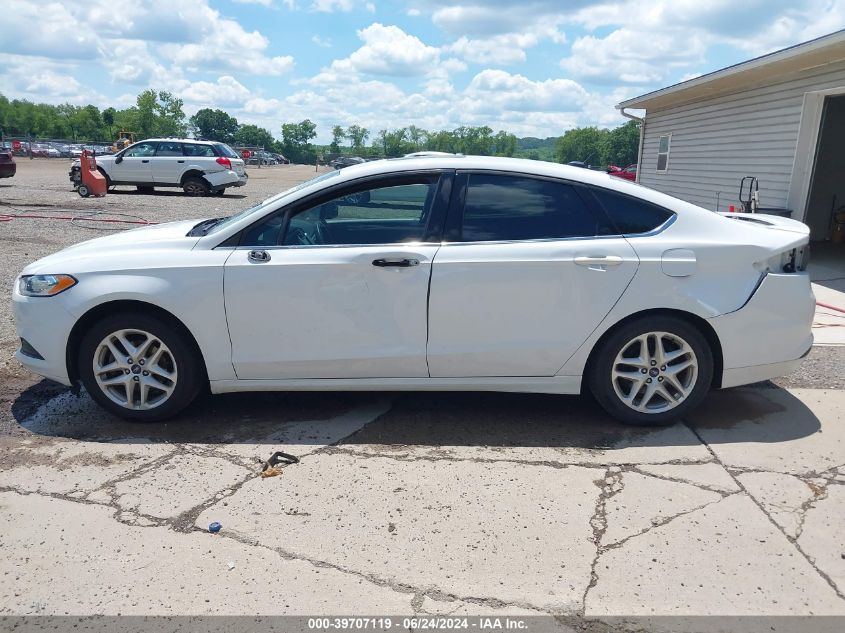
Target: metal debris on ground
214,528
272,468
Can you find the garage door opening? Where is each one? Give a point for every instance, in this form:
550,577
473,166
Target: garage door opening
826,199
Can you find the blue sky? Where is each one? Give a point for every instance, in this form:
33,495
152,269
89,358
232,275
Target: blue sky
536,67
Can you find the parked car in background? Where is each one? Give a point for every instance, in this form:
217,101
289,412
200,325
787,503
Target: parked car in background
628,173
346,161
8,168
387,276
281,160
579,163
198,167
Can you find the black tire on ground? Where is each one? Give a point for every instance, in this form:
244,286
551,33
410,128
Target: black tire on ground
196,187
600,373
145,189
190,376
219,192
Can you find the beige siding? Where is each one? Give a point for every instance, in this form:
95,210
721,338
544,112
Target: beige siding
715,142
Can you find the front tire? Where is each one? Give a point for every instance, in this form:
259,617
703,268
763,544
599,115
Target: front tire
139,367
652,371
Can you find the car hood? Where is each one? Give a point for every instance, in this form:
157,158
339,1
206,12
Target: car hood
136,247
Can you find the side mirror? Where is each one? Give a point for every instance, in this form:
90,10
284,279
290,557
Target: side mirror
119,159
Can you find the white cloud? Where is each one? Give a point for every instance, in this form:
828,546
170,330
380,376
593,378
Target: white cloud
266,3
226,91
414,13
322,42
388,50
329,6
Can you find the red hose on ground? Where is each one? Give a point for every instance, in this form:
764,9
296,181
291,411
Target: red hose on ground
9,218
829,307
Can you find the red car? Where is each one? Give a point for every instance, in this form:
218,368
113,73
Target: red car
629,173
7,163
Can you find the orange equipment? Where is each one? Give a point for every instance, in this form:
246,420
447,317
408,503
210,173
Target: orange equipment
93,183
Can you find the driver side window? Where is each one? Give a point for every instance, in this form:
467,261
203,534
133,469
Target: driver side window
389,214
141,149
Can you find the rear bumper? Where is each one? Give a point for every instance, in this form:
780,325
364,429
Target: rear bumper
224,179
770,334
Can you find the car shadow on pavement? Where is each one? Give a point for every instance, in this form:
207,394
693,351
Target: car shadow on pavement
500,420
172,193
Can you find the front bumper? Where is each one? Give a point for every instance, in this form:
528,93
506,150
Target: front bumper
45,324
770,334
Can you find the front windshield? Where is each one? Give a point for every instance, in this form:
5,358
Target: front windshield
269,201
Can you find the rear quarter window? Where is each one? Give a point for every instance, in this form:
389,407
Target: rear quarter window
631,215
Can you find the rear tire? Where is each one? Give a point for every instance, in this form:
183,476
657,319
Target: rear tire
196,187
652,371
164,376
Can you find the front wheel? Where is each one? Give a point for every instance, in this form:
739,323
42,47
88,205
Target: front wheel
139,367
652,371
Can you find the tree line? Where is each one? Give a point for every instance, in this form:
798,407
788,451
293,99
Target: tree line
160,113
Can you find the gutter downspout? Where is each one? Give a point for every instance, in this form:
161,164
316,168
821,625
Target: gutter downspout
641,121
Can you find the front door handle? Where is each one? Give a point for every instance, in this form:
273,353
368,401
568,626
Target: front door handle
396,263
180,161
609,260
258,257
145,161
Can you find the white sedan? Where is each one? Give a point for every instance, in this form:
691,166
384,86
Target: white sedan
429,273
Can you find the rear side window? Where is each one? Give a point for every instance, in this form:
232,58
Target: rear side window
225,150
195,149
516,208
631,215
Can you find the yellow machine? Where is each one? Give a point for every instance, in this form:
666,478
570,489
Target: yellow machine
124,139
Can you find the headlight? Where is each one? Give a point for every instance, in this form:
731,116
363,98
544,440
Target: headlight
44,285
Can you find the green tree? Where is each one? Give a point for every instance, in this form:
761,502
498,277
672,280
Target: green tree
296,141
623,144
253,136
108,120
338,134
587,144
214,125
504,144
357,136
159,114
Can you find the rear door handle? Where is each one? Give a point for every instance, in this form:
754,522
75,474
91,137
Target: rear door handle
609,260
396,263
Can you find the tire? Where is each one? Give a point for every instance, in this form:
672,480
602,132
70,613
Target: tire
663,390
145,189
220,192
196,187
83,190
169,367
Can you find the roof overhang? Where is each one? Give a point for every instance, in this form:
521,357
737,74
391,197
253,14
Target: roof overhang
818,52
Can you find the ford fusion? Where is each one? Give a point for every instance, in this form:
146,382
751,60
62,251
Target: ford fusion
429,273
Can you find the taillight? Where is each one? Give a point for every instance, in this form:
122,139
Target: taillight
225,162
793,260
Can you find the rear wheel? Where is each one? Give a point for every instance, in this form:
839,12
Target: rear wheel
195,187
652,371
139,367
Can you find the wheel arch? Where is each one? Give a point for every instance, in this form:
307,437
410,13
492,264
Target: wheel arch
109,308
193,173
693,319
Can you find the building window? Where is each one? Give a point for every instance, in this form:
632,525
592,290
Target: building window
663,153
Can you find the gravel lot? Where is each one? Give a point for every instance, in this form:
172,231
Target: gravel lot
407,503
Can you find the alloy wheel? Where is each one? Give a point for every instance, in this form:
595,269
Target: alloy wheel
135,369
655,372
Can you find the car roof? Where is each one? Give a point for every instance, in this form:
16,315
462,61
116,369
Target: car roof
517,166
178,140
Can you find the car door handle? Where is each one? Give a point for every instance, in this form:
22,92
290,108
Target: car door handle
180,161
258,257
609,260
397,263
145,161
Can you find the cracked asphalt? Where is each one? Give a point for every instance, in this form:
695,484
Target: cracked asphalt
414,503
